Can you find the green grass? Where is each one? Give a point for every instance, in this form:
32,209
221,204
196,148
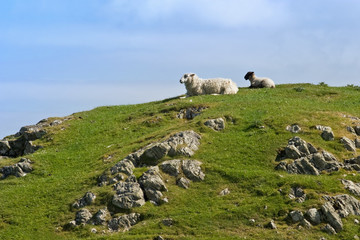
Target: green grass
242,158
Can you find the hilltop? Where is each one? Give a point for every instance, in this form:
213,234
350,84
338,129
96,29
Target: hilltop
72,156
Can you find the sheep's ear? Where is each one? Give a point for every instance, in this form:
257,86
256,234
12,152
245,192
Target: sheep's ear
193,74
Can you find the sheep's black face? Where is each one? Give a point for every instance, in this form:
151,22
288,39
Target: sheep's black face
248,75
186,77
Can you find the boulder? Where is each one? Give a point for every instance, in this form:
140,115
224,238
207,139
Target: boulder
83,216
4,148
331,216
128,195
216,124
183,182
190,113
271,225
357,142
171,167
192,170
152,183
296,216
329,229
124,166
19,169
224,192
348,144
327,134
294,128
352,164
124,222
86,200
168,222
357,130
354,188
313,215
298,194
100,217
351,129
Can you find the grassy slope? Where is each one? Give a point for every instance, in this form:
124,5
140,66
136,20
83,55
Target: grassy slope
241,158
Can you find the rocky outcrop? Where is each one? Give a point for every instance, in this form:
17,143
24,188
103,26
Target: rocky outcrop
354,188
327,134
183,182
124,222
190,113
313,216
298,194
128,195
83,216
192,170
294,128
152,183
86,200
100,217
171,167
352,164
307,159
19,169
216,124
348,144
224,192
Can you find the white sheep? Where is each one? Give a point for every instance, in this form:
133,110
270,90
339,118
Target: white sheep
198,86
259,82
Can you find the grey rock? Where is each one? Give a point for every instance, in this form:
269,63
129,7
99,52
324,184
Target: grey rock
216,124
56,122
171,167
124,222
357,142
124,166
352,164
32,132
348,144
354,188
292,152
19,169
320,127
159,238
72,224
131,178
345,205
4,148
101,217
29,148
86,200
350,129
271,225
168,222
83,216
305,223
298,194
183,182
357,130
296,216
224,192
294,128
192,170
331,216
190,113
329,229
356,221
152,183
128,195
313,215
327,134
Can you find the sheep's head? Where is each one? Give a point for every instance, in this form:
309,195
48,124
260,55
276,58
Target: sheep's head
248,75
186,77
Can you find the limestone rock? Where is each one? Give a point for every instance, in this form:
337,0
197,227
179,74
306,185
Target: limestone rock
329,229
101,217
124,222
128,195
351,129
313,215
152,183
19,169
298,194
327,134
357,130
216,124
296,216
354,188
348,144
124,166
86,200
294,128
345,205
190,113
224,192
271,225
171,167
183,182
168,222
83,216
4,148
357,142
192,170
331,216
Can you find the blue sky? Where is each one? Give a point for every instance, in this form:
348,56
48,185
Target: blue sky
63,56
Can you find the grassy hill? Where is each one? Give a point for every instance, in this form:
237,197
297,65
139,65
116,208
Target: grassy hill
240,158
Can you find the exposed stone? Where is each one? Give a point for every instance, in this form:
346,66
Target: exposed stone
331,216
313,215
298,194
224,192
152,183
296,216
348,144
354,188
124,222
320,127
357,142
271,225
101,217
352,164
327,134
171,167
190,113
294,128
128,195
351,129
83,216
329,229
168,222
86,200
305,223
4,148
159,238
192,170
124,166
131,178
357,130
183,182
19,169
216,124
356,221
345,205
